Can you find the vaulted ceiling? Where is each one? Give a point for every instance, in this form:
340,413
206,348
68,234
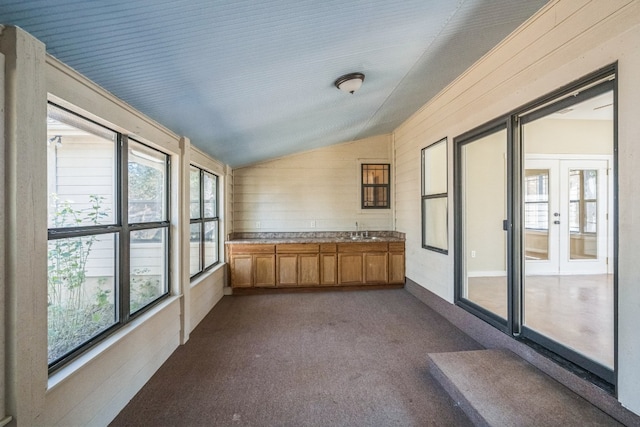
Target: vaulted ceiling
251,80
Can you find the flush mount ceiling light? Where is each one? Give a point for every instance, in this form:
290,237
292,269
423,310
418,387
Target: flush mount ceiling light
350,82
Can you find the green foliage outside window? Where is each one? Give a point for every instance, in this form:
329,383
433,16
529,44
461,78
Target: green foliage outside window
75,313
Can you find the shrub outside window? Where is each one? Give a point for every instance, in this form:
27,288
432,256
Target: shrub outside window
203,210
107,242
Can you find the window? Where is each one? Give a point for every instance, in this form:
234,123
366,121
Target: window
435,234
536,199
108,231
204,221
583,201
375,186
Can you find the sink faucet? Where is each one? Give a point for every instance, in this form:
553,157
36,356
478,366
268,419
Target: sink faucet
355,235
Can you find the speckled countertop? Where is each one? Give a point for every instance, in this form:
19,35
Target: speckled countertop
314,237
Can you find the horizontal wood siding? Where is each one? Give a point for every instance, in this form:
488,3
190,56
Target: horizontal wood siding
563,42
320,187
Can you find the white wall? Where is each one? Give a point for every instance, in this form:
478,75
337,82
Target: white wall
563,42
320,186
577,136
93,388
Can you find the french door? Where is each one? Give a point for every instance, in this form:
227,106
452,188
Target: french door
535,200
566,209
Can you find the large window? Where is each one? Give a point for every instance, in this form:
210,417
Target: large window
203,214
108,231
435,233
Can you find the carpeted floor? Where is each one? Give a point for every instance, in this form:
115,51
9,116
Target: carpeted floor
314,359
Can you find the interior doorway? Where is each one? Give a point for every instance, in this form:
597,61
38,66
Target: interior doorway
566,211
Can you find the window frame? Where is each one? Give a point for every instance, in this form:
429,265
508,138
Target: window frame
204,220
364,186
427,196
121,229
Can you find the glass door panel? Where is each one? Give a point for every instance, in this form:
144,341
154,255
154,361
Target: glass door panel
567,289
583,213
536,214
484,210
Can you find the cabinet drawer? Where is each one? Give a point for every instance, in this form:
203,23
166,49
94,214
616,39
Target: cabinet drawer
328,247
363,247
396,246
298,248
252,249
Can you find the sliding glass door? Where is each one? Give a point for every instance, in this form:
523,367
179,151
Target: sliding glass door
535,224
568,293
483,200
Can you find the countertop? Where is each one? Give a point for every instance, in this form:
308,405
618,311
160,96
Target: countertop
314,237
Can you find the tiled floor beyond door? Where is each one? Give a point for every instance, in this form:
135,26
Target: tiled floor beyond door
576,311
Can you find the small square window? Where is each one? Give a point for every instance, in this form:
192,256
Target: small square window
375,186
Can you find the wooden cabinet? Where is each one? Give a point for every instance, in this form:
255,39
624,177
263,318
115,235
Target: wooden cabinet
363,263
252,265
376,268
312,265
328,264
350,271
241,270
308,269
396,262
264,270
298,264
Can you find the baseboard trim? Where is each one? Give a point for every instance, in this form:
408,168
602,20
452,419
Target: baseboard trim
262,291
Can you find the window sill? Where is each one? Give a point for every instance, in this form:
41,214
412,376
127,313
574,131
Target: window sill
204,276
74,367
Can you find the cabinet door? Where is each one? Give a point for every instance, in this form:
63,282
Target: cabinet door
264,270
350,269
376,268
396,267
328,271
287,269
242,271
308,270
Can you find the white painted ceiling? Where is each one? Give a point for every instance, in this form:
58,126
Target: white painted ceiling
248,81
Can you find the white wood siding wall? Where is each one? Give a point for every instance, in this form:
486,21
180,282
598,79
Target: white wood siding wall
317,190
2,253
563,42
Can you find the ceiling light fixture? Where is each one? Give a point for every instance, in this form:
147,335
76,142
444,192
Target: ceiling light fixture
349,82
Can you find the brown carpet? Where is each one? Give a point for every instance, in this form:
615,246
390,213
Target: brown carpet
319,359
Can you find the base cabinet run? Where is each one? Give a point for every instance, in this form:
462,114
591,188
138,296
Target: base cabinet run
316,265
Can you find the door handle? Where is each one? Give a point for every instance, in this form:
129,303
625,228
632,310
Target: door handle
556,222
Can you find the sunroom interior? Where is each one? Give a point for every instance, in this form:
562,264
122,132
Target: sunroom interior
126,217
